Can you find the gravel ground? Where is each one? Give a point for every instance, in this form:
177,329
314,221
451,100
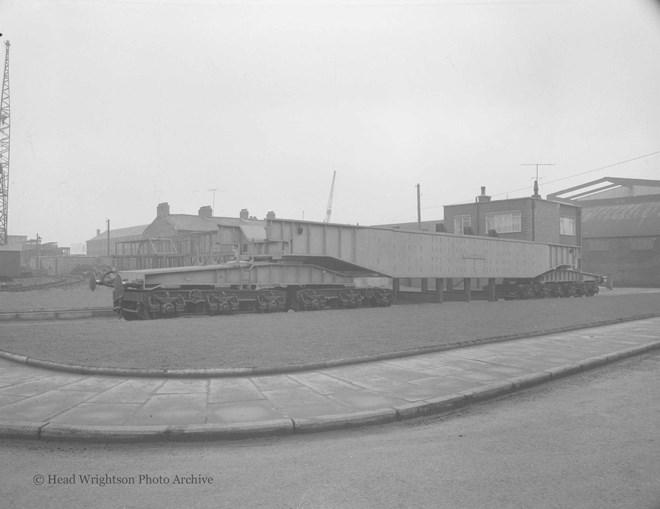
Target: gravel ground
284,339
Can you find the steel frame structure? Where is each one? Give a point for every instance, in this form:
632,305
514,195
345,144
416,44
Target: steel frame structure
4,150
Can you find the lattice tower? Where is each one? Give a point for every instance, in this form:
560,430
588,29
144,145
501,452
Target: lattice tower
4,150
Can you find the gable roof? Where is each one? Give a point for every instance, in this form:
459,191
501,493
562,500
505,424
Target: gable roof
130,231
192,223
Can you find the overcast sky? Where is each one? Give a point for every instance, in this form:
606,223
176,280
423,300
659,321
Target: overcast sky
119,105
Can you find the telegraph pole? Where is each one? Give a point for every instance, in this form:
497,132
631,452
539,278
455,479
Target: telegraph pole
38,263
419,208
536,180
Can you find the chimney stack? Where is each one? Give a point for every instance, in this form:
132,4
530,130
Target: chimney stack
98,232
244,214
163,209
205,211
270,215
483,197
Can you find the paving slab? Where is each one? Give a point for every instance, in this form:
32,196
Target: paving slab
322,382
39,386
98,414
44,406
5,399
37,403
242,411
232,390
171,409
135,390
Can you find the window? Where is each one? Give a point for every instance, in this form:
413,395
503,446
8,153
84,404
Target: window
504,222
566,226
460,222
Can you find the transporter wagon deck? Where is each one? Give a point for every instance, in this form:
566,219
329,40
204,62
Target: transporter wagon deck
303,265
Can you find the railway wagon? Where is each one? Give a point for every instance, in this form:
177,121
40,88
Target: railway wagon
304,265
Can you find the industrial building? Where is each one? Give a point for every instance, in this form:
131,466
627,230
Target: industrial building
10,257
620,228
103,244
27,254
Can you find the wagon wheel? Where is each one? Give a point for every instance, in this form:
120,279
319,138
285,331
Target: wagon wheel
168,309
162,294
195,296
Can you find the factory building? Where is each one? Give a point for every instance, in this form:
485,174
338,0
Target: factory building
11,257
103,244
620,228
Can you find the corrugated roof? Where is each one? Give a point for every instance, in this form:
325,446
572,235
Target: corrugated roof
130,231
621,220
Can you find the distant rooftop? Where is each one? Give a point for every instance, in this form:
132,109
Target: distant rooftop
196,223
608,188
131,231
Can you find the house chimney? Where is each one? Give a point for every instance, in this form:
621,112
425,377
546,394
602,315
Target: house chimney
270,215
244,214
205,211
163,209
483,197
98,232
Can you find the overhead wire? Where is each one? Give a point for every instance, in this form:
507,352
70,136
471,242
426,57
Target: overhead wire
585,172
569,177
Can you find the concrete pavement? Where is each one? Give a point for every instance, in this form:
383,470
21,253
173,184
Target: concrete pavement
41,404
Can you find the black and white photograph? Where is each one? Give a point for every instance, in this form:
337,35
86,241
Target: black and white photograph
330,254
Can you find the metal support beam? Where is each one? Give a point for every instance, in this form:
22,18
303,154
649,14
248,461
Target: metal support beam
439,290
491,290
467,289
396,284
